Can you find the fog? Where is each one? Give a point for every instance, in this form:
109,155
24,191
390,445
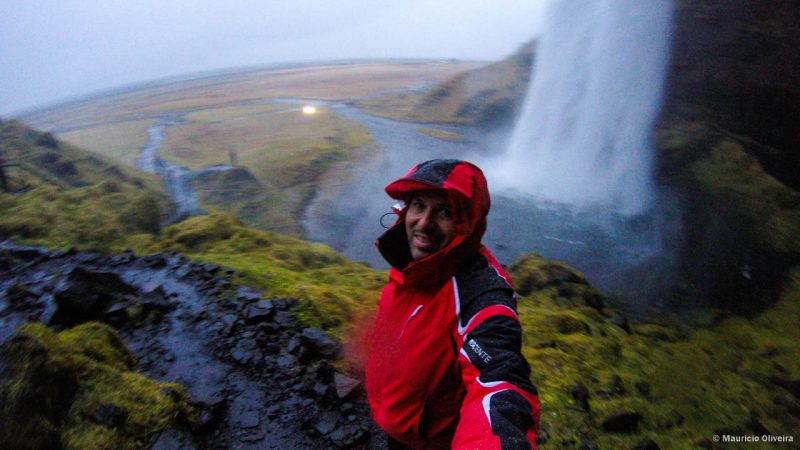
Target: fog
53,50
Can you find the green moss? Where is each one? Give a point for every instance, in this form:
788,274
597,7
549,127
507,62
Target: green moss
770,208
733,374
91,362
62,196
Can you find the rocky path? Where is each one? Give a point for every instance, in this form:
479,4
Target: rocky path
257,378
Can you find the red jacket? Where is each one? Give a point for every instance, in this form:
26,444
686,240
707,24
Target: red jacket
445,368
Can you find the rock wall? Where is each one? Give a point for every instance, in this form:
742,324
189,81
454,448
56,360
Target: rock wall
729,147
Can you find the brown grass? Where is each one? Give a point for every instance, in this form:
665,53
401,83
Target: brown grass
345,81
118,141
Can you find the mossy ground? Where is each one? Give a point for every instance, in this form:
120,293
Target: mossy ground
331,288
688,384
63,196
93,358
479,95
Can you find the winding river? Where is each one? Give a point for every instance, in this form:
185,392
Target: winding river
625,256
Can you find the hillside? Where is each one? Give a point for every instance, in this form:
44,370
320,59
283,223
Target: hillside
728,145
252,120
489,95
60,195
604,380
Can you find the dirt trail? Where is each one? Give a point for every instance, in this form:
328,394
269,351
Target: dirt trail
256,377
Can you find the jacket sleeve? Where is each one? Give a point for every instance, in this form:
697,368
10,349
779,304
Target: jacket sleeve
501,406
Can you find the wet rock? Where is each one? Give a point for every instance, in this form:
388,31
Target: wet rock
173,439
25,253
123,258
155,299
286,361
208,411
108,415
155,261
622,322
326,424
321,389
587,444
118,314
294,345
791,385
643,388
249,418
581,396
285,319
345,386
318,342
347,436
247,295
84,294
622,422
647,444
259,311
245,353
616,387
22,299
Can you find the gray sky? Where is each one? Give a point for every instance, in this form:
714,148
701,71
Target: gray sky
51,50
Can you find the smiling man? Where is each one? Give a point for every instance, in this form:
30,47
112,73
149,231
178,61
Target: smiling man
445,368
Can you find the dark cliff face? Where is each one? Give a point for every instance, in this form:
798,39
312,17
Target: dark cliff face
736,63
729,145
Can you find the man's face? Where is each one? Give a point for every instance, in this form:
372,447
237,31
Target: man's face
429,223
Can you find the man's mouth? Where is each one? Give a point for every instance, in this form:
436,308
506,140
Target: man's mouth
425,242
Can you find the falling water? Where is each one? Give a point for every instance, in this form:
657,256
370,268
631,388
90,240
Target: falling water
583,136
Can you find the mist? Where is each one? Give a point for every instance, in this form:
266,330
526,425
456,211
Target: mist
57,50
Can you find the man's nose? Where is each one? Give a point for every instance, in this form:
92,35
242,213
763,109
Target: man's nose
427,219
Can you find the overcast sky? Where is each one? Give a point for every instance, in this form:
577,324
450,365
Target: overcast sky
51,50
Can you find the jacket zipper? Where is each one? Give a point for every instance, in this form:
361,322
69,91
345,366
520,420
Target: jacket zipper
416,311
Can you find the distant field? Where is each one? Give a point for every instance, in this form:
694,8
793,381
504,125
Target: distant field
119,141
331,82
245,119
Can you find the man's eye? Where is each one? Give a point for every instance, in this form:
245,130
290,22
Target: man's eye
445,212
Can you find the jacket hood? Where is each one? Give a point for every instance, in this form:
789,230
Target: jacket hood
468,195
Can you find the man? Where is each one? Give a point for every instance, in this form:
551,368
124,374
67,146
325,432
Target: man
445,368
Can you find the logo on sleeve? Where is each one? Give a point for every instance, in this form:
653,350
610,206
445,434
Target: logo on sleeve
479,351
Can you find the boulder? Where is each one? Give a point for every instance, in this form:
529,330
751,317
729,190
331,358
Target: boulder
318,342
647,444
259,311
345,386
84,294
622,422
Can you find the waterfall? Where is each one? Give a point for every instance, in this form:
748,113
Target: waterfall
583,135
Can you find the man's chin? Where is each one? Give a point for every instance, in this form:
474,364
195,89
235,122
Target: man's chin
417,253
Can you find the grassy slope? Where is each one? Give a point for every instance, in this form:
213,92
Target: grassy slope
66,196
118,141
734,375
90,368
289,154
483,95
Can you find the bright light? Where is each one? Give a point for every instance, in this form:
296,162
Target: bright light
309,110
